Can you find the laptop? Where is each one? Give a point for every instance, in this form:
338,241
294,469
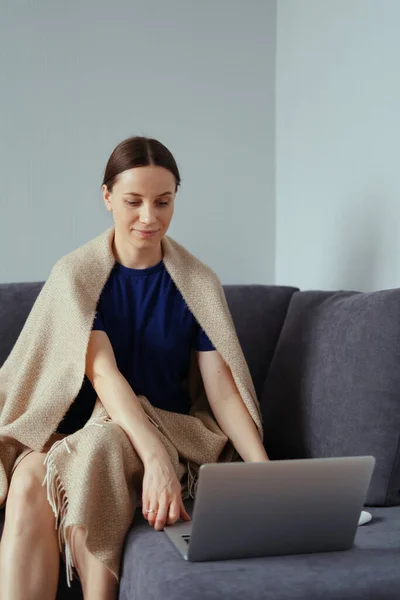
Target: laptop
252,509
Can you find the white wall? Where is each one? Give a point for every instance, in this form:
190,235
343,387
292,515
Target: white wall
338,144
78,77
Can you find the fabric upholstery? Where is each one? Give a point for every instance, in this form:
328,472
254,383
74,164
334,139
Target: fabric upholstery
153,569
333,388
16,301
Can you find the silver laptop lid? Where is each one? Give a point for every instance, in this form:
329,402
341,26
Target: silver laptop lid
278,507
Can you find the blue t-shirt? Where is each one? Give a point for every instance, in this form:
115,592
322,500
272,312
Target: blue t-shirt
152,332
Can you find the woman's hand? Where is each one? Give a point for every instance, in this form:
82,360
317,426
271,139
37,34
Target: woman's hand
162,494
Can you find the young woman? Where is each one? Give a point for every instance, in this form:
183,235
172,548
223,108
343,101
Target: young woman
141,342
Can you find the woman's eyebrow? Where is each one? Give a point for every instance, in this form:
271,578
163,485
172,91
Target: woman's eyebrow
140,196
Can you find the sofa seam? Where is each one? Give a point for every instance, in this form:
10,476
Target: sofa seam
295,291
396,463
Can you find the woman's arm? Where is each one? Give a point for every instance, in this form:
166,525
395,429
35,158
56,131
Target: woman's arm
228,407
119,400
161,494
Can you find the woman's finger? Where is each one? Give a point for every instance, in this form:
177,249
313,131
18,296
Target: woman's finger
152,511
161,515
145,505
173,513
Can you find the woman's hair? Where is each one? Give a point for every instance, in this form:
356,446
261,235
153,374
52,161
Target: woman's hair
138,151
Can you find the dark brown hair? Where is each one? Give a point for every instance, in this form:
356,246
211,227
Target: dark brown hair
138,151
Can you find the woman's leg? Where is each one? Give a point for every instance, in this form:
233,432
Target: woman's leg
29,553
98,583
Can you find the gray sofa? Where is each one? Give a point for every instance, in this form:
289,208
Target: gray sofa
326,370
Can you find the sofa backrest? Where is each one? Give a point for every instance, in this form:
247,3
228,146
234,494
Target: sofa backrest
258,312
16,301
333,388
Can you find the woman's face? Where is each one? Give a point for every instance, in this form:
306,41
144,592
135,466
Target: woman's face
142,200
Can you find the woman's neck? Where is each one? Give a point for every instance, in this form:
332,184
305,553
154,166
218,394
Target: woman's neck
134,258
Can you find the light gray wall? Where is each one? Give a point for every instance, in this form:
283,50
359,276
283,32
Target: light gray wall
338,144
78,77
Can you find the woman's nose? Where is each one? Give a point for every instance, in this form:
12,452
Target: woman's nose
146,217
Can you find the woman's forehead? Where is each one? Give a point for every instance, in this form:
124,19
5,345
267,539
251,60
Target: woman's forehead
142,180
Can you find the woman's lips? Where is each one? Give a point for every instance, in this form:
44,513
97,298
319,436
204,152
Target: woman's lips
146,234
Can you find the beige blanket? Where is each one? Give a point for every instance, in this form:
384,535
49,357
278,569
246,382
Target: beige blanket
94,475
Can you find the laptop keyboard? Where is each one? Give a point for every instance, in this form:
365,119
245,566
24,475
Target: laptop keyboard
186,538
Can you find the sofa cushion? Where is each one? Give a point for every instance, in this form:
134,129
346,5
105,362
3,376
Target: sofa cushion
152,569
16,301
258,312
333,387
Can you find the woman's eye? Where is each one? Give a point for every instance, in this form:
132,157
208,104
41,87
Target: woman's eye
136,203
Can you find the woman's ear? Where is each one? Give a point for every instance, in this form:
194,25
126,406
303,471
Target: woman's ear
107,197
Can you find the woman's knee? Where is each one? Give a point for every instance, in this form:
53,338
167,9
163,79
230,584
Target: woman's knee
27,506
